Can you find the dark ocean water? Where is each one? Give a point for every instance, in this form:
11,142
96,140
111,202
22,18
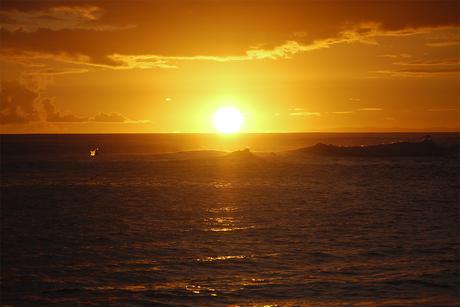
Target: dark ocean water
129,228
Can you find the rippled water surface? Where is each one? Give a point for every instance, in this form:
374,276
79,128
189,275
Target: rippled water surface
134,230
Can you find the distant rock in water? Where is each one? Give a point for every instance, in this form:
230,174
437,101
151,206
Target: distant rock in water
242,156
398,149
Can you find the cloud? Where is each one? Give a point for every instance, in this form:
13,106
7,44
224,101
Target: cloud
296,109
431,62
115,117
46,64
55,116
284,51
441,70
363,33
147,61
421,72
109,118
443,44
395,56
370,109
343,112
305,114
30,58
167,33
21,103
442,110
423,68
54,18
57,71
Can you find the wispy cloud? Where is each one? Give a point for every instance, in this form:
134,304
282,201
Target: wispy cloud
57,71
442,110
296,109
443,44
395,56
109,118
89,18
420,72
55,18
362,33
145,61
370,109
422,67
305,114
47,64
161,34
26,57
342,112
431,62
284,51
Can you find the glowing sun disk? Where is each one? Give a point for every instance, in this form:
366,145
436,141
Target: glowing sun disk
228,120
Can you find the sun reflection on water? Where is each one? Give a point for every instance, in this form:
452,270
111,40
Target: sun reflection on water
221,258
224,224
222,209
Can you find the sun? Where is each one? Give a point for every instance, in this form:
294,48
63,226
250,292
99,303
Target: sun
228,120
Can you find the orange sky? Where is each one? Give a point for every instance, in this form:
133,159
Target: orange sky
166,66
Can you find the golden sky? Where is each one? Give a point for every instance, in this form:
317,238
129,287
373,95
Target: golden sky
167,66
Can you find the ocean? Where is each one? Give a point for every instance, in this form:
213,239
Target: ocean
140,225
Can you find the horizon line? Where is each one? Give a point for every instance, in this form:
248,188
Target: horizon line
235,134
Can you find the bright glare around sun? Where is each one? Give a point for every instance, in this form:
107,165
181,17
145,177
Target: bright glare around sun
228,120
